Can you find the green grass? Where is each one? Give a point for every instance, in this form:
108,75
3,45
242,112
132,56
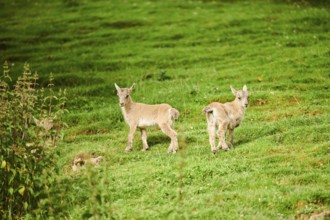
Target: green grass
279,168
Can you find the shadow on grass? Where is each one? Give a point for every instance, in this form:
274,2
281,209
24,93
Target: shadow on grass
122,24
154,140
241,142
314,3
251,135
160,138
71,80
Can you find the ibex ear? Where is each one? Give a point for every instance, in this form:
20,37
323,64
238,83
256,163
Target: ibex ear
117,87
245,91
132,87
38,123
233,90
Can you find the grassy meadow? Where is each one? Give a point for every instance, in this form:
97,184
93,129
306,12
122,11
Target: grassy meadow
187,54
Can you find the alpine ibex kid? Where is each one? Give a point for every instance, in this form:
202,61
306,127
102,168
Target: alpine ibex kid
139,115
226,116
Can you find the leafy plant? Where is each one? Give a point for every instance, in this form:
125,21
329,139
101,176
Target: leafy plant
163,76
30,127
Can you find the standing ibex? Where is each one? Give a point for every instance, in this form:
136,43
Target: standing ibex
226,116
138,115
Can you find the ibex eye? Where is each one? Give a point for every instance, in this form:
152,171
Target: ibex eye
239,98
127,96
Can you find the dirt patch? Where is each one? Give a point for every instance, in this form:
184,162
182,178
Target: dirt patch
314,216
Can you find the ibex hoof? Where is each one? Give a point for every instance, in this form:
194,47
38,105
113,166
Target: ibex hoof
214,150
144,149
171,151
128,149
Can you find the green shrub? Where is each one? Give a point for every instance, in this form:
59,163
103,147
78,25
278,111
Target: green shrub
30,128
